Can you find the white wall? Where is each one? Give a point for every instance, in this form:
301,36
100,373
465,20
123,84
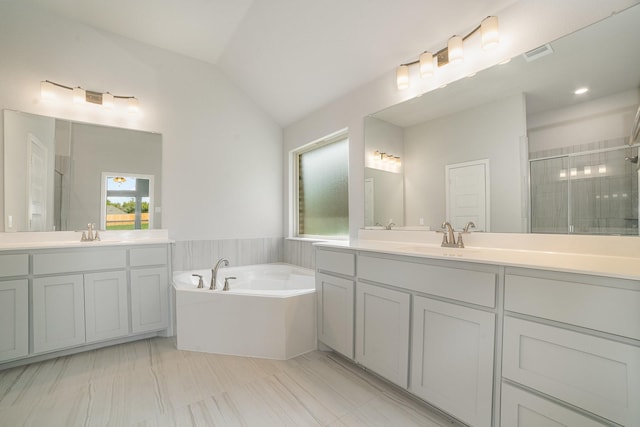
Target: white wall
222,162
492,131
601,119
523,26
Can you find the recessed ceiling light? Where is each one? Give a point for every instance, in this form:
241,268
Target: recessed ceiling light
581,90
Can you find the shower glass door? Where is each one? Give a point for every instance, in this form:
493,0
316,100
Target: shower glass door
592,192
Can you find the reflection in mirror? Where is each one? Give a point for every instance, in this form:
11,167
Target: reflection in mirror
526,120
127,200
53,170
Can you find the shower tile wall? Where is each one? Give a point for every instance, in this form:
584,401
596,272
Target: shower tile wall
595,193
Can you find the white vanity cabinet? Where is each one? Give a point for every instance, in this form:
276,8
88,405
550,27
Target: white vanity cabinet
58,312
453,330
14,306
106,305
335,291
452,358
72,309
523,409
14,319
66,298
382,331
149,299
575,338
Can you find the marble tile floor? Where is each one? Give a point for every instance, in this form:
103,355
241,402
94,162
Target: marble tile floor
151,383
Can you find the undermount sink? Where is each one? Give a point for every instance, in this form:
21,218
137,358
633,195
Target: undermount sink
438,250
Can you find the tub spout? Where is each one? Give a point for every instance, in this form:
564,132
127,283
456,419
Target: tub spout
214,273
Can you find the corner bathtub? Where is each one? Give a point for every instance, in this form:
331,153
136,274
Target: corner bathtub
269,311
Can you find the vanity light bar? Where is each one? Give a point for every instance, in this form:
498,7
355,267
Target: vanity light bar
82,96
453,52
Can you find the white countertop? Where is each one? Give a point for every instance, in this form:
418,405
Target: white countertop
71,239
610,263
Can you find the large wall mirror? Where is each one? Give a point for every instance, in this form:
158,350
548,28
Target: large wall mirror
63,175
513,148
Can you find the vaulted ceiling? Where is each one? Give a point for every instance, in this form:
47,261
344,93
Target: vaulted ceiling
290,56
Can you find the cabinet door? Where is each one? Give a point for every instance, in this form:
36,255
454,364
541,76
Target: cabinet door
58,312
106,307
523,409
593,373
14,319
452,359
382,331
335,313
149,299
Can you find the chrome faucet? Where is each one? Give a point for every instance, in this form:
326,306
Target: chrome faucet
90,235
465,230
226,283
449,238
214,272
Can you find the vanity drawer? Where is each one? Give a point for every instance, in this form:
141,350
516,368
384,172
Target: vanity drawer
523,409
613,308
14,265
64,262
336,262
148,256
475,287
554,361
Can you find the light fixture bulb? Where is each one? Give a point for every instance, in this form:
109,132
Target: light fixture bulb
587,170
426,64
107,100
454,46
489,32
402,77
79,95
46,90
581,90
133,105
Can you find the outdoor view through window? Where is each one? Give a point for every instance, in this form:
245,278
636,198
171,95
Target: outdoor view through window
127,203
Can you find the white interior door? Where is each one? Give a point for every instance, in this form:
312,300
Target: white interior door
37,176
368,201
467,194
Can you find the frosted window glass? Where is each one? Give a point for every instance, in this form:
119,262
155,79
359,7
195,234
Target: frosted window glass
323,195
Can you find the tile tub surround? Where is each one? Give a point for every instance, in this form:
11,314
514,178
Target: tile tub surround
151,383
300,252
199,254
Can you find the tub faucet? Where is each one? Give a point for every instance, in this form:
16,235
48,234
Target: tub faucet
214,272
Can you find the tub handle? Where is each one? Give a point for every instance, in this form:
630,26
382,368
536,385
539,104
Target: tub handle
200,282
226,283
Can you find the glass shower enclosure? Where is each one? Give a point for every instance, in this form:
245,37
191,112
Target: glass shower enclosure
594,192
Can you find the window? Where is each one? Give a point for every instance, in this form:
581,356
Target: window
322,196
126,201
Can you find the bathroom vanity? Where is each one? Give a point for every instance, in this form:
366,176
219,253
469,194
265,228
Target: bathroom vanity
493,337
62,296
